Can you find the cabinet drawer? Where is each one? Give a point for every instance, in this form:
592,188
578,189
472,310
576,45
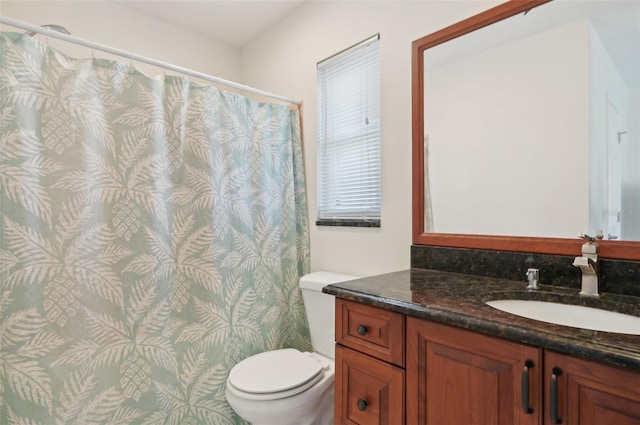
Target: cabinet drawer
368,391
373,331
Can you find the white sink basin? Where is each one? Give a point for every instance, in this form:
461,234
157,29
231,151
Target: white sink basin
571,315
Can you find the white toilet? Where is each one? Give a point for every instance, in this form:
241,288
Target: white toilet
289,387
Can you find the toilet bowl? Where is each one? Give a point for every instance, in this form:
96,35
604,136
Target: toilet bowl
287,386
283,387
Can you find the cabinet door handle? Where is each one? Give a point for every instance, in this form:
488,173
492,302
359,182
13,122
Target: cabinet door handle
528,364
362,330
362,405
553,396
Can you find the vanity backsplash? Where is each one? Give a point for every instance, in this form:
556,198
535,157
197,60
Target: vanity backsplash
616,276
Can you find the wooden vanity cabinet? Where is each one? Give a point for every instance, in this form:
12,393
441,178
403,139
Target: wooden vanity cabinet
455,376
369,360
401,368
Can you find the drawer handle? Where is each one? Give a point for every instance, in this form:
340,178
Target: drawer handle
362,331
362,405
525,387
553,389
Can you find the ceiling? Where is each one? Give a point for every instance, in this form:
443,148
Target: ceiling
235,22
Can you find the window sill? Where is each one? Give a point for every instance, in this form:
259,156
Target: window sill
343,222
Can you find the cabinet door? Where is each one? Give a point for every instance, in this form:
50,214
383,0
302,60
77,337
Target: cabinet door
456,376
581,392
368,391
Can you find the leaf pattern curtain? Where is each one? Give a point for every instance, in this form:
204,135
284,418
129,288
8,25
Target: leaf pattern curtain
152,233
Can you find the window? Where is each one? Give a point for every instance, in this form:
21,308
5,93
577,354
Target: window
349,137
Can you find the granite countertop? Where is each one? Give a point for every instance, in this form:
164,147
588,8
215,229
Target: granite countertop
459,300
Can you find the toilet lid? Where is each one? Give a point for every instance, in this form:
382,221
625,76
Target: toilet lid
275,371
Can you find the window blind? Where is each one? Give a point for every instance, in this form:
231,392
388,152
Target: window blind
349,134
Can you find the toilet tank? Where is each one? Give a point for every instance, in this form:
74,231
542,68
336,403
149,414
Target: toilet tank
320,309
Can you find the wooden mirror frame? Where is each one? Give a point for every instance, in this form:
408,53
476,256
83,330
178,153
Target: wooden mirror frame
627,250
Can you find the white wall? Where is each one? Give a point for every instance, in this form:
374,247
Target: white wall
117,26
283,60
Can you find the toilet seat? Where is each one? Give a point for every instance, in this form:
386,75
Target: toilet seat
276,374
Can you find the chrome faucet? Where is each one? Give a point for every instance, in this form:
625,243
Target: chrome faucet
532,277
588,263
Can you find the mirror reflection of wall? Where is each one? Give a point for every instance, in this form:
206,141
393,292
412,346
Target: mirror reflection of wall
523,120
631,182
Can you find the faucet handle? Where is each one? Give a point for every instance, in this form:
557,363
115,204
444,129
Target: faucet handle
532,276
586,237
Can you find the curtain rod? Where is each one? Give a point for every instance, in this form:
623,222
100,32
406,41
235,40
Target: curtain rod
130,55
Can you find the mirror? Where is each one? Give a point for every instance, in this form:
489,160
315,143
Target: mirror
518,126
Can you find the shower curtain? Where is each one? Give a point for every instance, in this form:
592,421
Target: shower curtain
152,233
